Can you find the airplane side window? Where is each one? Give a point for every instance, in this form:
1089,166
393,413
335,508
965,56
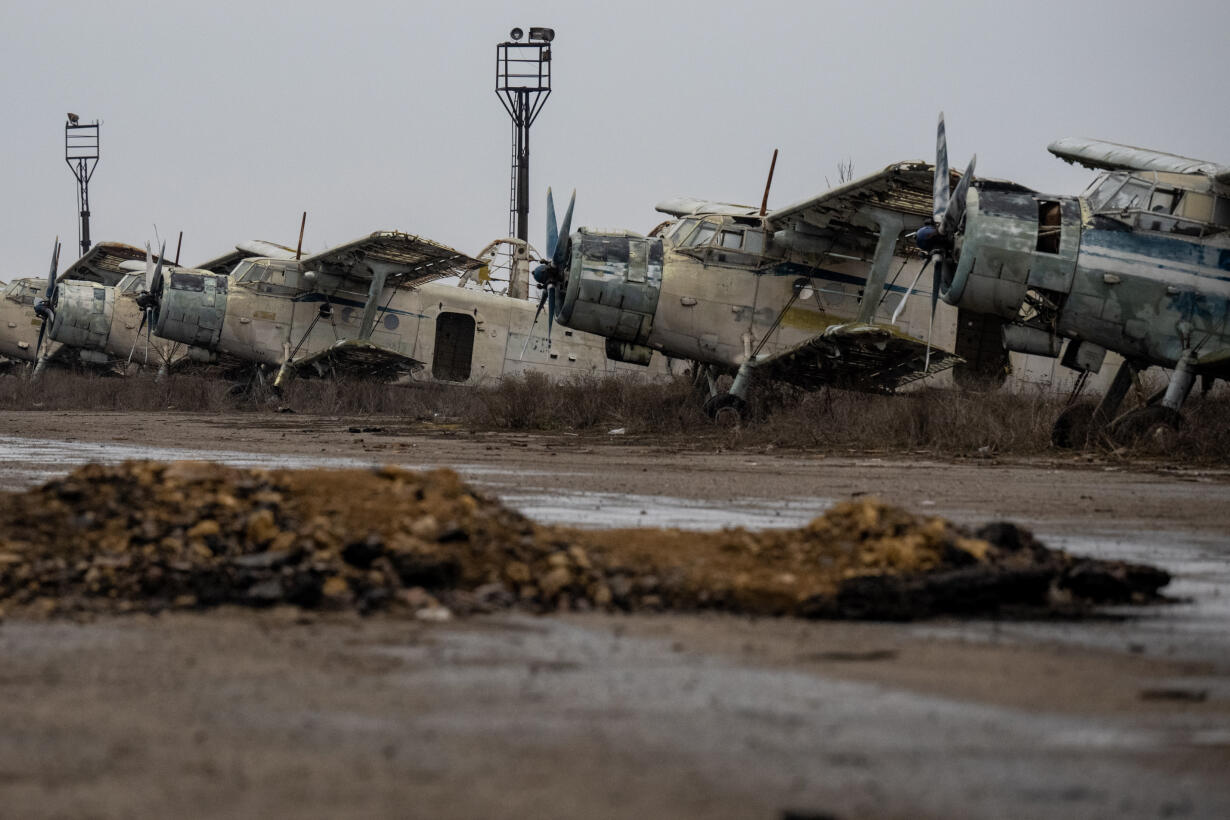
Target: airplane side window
753,242
1221,212
1162,201
732,239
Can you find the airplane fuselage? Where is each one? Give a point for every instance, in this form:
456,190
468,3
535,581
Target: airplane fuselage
1148,280
455,334
105,320
19,325
713,289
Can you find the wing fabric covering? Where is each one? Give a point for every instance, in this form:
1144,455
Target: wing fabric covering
103,263
410,260
905,188
871,358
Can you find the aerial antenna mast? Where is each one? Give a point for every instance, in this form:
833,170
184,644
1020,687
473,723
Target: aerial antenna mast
523,83
81,154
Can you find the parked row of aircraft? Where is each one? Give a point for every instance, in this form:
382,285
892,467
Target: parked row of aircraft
811,294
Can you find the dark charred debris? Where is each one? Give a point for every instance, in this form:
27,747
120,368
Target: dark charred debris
149,537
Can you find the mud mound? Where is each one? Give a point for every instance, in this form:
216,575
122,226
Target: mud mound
150,536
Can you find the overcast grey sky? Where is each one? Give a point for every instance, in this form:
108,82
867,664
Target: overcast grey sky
227,119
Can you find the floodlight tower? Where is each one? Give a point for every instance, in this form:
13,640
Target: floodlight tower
81,154
523,83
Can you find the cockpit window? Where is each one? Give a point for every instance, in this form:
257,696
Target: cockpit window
1133,194
132,283
732,239
252,270
1163,200
681,230
703,234
11,290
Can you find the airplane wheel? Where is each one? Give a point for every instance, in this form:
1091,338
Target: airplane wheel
726,409
1072,428
1152,424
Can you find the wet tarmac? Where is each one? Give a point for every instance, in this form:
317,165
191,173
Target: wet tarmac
687,716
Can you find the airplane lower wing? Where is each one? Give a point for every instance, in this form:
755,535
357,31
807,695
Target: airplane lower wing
359,359
856,356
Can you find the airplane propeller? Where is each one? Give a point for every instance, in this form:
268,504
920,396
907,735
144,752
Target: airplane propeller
549,275
44,308
947,211
148,300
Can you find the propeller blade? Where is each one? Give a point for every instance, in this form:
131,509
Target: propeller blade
935,296
149,268
157,283
550,312
137,341
939,203
956,205
909,290
38,346
55,268
552,230
561,246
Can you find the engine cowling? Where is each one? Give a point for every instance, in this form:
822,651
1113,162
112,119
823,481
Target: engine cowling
83,315
612,284
192,307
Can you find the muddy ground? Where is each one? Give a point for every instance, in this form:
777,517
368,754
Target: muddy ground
232,713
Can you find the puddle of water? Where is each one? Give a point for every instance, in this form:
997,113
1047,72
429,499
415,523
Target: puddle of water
29,461
597,510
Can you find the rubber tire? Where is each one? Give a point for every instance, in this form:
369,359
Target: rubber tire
1071,430
1137,425
726,409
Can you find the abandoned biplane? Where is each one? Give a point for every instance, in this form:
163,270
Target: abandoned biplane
1139,264
372,308
28,311
796,294
109,321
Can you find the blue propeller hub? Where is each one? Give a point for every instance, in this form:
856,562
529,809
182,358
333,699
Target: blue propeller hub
927,238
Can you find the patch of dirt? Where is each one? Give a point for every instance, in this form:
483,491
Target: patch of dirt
150,536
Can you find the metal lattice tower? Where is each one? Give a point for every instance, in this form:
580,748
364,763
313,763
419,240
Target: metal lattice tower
523,83
81,154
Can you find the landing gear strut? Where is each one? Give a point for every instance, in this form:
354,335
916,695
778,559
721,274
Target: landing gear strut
1157,419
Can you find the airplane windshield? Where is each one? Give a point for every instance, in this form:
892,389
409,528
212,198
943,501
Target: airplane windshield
701,235
132,283
681,230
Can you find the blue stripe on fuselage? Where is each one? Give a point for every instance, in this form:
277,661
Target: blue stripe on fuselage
355,303
795,269
1211,262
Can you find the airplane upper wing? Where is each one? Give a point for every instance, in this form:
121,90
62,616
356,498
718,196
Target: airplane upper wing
872,358
1112,156
358,358
104,263
904,188
407,259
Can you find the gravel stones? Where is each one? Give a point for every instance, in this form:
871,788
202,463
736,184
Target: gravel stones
148,536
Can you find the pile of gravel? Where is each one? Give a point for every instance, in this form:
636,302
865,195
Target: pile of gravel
149,536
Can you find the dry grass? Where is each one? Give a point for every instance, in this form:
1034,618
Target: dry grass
943,422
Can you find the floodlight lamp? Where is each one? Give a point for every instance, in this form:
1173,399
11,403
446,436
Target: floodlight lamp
541,34
516,34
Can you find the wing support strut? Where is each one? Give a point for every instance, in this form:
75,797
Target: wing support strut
379,277
890,226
